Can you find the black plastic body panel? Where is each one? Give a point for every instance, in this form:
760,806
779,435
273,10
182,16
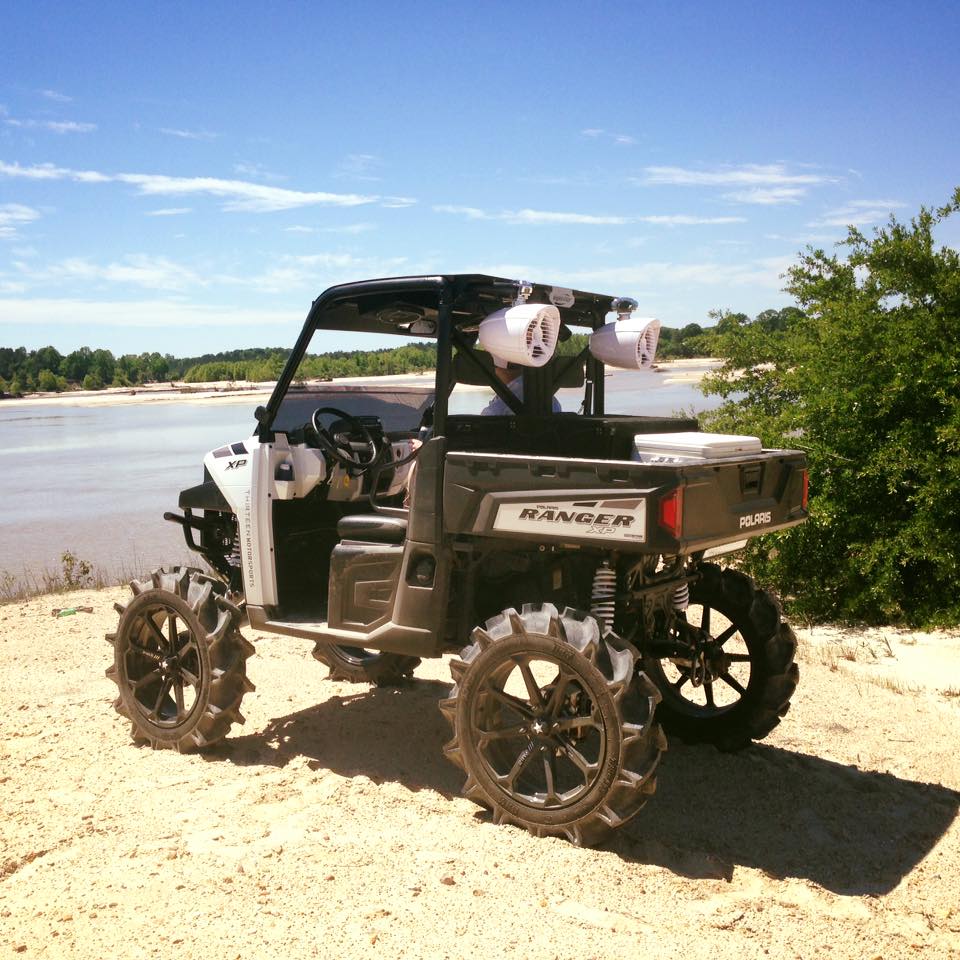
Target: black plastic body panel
558,434
363,583
373,586
204,496
723,501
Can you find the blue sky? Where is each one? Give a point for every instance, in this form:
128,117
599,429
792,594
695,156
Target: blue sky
187,177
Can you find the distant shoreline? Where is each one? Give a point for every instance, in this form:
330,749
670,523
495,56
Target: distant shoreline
237,391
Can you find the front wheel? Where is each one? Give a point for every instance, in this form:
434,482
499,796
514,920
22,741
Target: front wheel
179,661
552,725
737,682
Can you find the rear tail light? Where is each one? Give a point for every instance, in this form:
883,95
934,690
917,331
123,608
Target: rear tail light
671,513
806,489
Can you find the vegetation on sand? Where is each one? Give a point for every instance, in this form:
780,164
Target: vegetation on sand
867,380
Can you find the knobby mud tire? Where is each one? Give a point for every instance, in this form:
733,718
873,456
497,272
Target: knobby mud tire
595,673
356,665
774,675
184,604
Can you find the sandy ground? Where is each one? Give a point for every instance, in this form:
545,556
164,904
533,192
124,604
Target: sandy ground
330,825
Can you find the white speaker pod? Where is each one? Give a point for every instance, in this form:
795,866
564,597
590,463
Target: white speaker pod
630,344
525,334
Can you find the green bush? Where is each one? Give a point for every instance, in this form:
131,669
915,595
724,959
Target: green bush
867,380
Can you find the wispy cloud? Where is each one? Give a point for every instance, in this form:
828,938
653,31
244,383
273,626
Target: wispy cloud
256,171
205,135
746,175
168,211
238,195
163,314
54,126
283,274
805,239
683,220
858,213
316,270
360,166
528,216
138,270
596,133
14,215
56,96
397,203
767,196
349,228
766,272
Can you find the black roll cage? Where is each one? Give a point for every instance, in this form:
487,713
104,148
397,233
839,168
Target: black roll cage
455,304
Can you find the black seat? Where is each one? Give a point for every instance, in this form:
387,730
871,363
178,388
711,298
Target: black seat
372,528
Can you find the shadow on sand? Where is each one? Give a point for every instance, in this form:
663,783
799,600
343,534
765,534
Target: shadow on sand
788,814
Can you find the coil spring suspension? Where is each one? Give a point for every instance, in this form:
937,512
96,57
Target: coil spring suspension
681,597
603,596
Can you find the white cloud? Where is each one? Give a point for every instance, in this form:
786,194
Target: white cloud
47,171
316,271
205,135
139,270
54,126
683,220
858,213
766,272
548,216
236,194
68,126
398,203
138,313
56,96
350,228
168,211
360,166
527,216
14,215
471,213
747,175
767,196
256,171
595,133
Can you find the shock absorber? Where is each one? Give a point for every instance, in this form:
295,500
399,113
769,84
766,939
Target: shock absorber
604,593
681,597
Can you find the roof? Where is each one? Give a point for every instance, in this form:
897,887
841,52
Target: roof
409,306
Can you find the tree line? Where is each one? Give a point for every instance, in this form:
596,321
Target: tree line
47,370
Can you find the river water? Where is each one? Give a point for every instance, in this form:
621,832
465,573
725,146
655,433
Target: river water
95,480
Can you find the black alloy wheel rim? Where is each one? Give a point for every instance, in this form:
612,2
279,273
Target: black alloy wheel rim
359,656
718,683
164,671
543,748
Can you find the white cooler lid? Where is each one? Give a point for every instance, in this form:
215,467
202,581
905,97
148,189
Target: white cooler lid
705,445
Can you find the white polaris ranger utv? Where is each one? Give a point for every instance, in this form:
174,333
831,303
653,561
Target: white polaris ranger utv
561,557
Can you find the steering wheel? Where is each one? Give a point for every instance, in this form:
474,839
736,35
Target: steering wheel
335,446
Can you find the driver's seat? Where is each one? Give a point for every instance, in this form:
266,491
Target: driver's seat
372,528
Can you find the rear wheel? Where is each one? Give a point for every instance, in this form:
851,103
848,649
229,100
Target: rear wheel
360,665
739,683
179,661
552,725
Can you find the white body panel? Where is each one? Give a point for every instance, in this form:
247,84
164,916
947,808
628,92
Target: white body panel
248,482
